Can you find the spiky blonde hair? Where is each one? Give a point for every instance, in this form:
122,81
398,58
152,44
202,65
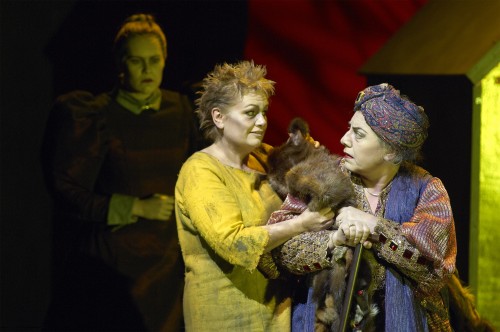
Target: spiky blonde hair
225,86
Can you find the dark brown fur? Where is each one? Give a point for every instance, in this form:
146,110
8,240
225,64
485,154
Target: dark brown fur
308,173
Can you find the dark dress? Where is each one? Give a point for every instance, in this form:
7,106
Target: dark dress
127,277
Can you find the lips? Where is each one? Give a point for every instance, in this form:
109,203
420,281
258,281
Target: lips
347,155
147,80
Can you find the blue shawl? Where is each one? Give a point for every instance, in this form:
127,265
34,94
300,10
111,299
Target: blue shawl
402,312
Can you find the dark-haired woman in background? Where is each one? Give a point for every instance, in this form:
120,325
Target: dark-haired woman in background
111,163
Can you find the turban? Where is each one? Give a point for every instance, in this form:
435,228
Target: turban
395,119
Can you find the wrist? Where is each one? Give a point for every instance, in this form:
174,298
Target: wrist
332,241
136,207
298,225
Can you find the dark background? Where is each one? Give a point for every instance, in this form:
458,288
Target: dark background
312,48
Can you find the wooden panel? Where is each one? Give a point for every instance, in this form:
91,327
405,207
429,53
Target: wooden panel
444,37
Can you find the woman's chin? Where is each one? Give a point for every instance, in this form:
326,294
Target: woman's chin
349,164
255,143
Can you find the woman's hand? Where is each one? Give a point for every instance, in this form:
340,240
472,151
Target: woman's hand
338,238
307,221
355,225
156,207
316,221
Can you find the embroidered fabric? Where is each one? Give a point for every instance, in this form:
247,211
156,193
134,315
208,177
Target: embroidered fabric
305,253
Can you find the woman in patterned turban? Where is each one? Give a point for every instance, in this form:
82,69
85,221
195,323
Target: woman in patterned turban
404,205
407,214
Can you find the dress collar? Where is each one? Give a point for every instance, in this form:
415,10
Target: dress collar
126,100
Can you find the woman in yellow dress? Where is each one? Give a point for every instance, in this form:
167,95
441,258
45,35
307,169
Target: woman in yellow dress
223,204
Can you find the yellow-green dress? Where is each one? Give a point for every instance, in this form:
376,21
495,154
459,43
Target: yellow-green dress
219,209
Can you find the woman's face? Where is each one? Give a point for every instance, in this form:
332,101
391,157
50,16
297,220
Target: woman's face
245,123
143,65
364,151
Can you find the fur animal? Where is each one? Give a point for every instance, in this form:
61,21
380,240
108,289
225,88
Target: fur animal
312,175
308,173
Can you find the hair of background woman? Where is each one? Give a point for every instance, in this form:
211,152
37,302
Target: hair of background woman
137,25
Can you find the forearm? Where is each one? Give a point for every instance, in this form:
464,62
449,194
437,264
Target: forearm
281,232
77,153
305,253
84,204
121,210
394,248
424,248
307,221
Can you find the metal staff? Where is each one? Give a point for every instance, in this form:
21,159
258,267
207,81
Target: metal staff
351,283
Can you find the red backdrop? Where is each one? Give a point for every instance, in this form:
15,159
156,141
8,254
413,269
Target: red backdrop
313,50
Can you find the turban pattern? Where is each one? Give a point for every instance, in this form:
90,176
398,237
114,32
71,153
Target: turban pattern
395,119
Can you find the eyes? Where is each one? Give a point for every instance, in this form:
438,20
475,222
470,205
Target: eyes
358,132
139,61
254,112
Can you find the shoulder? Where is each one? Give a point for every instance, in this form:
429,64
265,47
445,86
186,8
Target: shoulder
173,96
80,104
170,94
199,168
175,100
414,173
423,179
200,160
258,158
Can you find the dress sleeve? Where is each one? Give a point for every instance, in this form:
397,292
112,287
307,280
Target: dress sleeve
120,210
424,248
214,211
304,253
78,147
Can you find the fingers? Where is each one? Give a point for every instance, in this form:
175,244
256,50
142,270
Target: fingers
160,196
329,223
355,232
330,215
327,213
361,234
164,206
164,197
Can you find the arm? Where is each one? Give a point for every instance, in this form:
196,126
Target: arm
77,152
281,232
79,143
227,216
424,248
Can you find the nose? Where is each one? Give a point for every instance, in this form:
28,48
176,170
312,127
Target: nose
345,139
260,120
146,67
